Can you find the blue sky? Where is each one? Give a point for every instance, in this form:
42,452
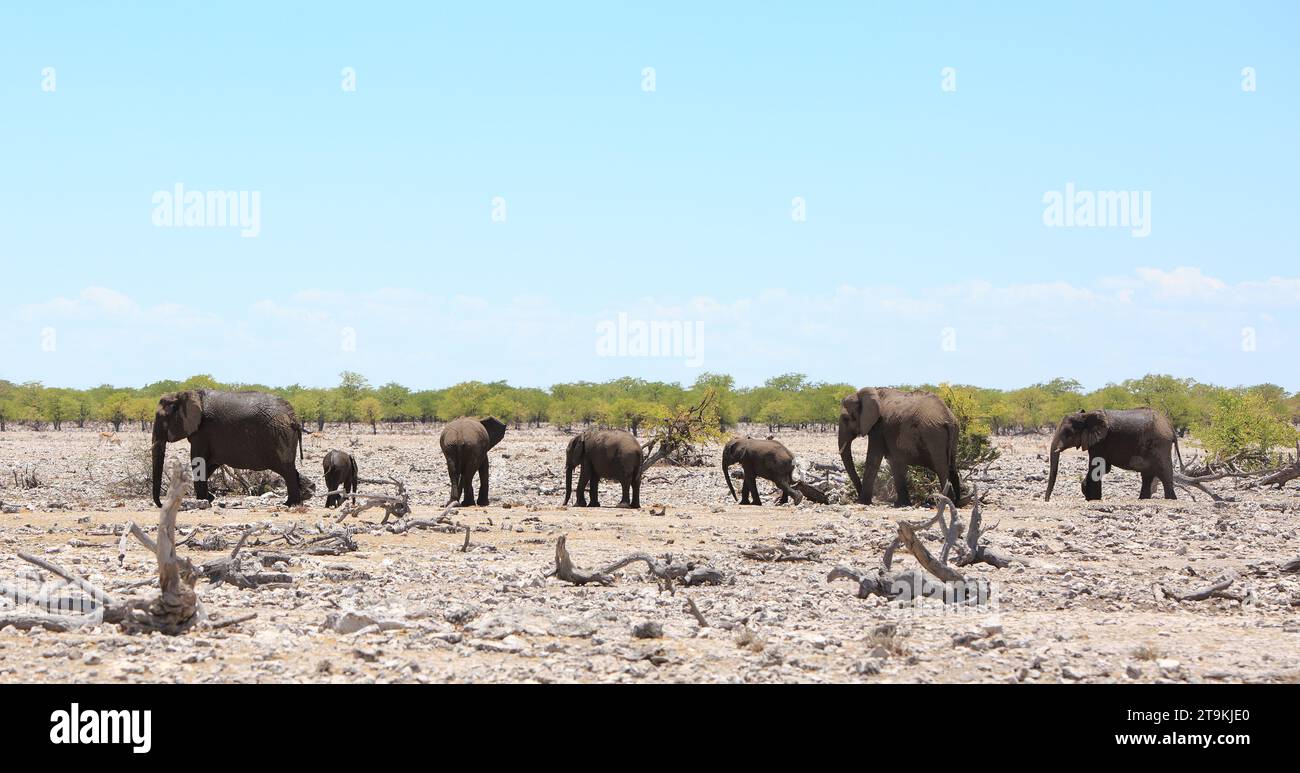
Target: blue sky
924,206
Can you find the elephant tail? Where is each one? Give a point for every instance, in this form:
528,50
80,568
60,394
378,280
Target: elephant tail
1179,452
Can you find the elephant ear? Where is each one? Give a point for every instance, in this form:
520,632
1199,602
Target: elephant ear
851,410
574,453
495,429
190,411
870,411
1095,427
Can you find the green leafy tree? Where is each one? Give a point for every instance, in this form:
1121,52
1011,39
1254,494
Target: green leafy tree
114,409
371,411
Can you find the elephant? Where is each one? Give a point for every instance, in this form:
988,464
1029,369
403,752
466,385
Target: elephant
1138,439
466,442
768,459
245,430
604,453
905,428
340,474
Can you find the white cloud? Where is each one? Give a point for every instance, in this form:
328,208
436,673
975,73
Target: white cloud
1178,320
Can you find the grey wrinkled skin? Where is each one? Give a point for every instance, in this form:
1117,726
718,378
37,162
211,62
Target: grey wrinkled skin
340,474
905,428
1138,439
466,442
244,430
767,459
613,454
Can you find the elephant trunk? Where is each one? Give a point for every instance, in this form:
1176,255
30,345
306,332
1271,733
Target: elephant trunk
159,451
570,461
1051,475
846,454
727,477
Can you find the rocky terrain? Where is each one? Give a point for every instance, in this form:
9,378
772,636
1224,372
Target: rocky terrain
425,605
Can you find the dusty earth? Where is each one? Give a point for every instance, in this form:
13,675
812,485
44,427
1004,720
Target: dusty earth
414,607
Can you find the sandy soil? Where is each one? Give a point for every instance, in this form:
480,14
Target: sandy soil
1084,611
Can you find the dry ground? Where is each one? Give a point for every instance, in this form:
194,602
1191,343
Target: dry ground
1085,612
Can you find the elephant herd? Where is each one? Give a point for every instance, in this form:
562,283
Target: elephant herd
258,431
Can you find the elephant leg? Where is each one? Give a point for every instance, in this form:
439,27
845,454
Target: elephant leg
454,475
788,492
584,479
753,487
483,483
200,468
1167,480
332,484
627,490
467,485
293,484
744,487
1147,480
899,470
595,490
875,455
636,493
201,480
1097,467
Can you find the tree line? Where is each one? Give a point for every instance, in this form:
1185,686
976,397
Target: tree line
1227,416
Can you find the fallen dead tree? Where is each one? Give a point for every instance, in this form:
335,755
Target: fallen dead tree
1251,470
778,553
396,505
667,572
952,585
1217,589
174,610
441,523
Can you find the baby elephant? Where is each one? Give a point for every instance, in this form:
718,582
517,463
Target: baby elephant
340,473
604,453
767,459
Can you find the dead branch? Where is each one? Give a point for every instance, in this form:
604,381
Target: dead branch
912,544
442,523
876,583
395,506
564,569
778,553
695,612
686,573
1216,589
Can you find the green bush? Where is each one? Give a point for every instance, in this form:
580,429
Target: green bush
1245,426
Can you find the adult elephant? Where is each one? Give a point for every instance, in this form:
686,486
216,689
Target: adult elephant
1139,439
905,428
245,430
767,459
466,442
604,453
